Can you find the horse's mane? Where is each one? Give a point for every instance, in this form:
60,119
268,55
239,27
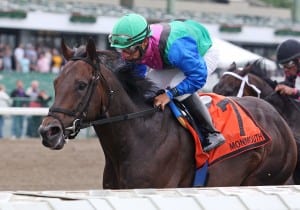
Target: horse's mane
139,89
136,86
259,69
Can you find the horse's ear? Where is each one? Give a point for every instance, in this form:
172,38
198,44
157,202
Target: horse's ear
258,61
91,49
232,66
247,69
66,51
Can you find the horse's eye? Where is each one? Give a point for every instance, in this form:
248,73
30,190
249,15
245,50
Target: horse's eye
82,86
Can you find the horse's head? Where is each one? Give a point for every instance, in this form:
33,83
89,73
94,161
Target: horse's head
83,93
231,81
248,81
78,96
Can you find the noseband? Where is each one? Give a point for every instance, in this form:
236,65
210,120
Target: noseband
80,112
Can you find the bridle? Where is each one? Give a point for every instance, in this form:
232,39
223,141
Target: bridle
80,112
245,81
258,91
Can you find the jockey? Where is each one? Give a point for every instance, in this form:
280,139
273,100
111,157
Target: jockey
288,58
183,47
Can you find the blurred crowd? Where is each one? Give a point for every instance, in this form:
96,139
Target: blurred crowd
29,58
20,96
26,58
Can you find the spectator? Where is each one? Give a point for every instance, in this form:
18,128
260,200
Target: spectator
7,59
33,122
25,64
48,55
1,56
44,98
31,53
57,61
19,54
20,99
5,101
33,91
43,64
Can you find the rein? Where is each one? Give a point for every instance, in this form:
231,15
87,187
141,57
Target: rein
293,101
120,117
244,82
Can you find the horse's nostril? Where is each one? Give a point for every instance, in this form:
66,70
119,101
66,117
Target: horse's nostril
53,130
49,131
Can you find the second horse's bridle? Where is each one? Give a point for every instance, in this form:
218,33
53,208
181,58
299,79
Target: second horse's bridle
244,81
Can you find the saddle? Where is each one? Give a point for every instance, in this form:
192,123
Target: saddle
240,130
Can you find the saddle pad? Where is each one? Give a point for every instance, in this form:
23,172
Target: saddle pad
239,129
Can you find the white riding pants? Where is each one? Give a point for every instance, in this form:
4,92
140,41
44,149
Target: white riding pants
172,77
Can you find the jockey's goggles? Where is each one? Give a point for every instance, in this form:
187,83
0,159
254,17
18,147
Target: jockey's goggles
124,39
288,65
129,50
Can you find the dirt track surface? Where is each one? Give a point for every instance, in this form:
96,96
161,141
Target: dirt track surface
28,165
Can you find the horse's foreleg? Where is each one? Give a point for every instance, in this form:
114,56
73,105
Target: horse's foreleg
110,180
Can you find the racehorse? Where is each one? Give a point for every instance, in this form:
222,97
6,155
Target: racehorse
253,80
145,147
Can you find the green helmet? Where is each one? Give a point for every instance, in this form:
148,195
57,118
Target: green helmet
129,30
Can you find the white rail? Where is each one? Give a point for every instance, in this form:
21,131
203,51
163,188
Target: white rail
26,111
224,198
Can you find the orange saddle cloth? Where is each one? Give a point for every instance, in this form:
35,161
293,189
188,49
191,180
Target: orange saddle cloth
237,126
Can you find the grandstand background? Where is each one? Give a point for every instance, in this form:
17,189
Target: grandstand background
250,24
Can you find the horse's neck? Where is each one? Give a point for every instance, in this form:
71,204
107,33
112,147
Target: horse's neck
288,109
123,132
262,85
127,138
146,133
120,103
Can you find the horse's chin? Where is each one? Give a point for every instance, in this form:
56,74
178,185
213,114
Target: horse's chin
54,144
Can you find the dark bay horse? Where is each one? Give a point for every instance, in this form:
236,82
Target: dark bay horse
253,80
146,148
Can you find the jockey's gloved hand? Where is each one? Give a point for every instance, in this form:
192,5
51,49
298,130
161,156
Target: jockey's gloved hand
149,96
287,83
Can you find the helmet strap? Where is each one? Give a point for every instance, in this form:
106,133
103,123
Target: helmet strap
142,52
297,64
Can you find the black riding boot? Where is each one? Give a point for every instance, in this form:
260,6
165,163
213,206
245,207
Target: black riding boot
202,117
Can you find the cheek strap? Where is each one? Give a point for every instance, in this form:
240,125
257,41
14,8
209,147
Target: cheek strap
141,51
